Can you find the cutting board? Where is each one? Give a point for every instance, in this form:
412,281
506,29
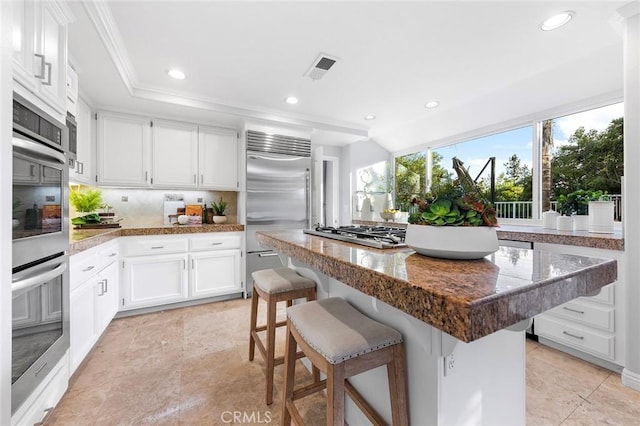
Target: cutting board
171,208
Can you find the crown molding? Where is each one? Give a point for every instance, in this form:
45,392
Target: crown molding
103,21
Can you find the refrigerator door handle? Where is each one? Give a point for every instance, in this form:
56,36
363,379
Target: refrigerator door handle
307,189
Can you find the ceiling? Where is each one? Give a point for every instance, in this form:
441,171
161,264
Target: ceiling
485,62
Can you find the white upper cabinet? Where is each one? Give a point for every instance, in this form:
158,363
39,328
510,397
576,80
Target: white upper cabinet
40,52
218,158
123,150
84,170
175,154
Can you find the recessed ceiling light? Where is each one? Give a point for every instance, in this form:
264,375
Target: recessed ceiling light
432,104
177,74
292,100
369,117
557,20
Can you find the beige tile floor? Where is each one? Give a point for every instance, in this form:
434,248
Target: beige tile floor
190,366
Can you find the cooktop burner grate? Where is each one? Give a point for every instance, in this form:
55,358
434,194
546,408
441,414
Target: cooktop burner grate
373,236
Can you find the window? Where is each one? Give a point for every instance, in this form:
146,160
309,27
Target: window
373,191
583,152
410,177
512,153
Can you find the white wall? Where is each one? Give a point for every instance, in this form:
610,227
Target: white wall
6,106
353,157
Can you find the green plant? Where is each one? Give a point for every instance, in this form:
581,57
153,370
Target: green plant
219,207
458,203
577,202
88,201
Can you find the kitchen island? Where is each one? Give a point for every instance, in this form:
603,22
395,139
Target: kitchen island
463,321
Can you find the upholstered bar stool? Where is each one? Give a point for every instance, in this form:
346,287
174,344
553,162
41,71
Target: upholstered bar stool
342,342
273,286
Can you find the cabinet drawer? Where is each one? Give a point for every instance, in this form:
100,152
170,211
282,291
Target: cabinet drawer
606,295
588,314
108,255
144,247
83,267
599,344
217,242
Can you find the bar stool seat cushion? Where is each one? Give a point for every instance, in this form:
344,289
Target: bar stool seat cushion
337,331
279,280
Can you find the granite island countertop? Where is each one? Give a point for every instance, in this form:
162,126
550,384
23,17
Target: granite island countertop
84,239
467,299
538,234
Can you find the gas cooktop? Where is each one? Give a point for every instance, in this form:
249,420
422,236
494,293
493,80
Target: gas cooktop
381,237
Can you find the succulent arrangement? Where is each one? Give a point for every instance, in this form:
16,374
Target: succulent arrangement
458,204
219,207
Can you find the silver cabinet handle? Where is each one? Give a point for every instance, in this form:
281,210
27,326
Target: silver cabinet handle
157,247
33,170
267,254
216,244
146,176
106,285
201,178
102,290
47,82
193,264
573,335
112,254
82,167
573,310
88,268
195,178
77,170
41,75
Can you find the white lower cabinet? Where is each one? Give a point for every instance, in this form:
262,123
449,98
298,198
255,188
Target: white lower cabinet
94,298
154,280
214,273
591,325
160,270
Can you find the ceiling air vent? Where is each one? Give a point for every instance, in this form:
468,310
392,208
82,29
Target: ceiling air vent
320,66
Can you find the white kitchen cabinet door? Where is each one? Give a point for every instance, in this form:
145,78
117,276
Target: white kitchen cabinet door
72,91
40,52
123,150
106,297
218,158
82,322
214,273
84,170
175,154
24,31
52,43
154,280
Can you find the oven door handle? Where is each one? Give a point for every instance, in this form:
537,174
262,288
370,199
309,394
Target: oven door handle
39,150
23,285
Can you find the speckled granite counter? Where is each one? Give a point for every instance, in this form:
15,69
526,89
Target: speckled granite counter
84,239
466,299
538,234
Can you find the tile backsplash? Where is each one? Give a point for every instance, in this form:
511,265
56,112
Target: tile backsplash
145,207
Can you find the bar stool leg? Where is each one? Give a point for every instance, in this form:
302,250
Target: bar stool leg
396,373
271,346
335,395
289,376
253,325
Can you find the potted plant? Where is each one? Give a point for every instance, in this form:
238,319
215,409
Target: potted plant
86,202
218,211
578,202
456,223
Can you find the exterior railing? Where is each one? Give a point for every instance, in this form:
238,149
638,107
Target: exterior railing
524,209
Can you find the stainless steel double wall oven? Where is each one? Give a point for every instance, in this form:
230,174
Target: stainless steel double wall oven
40,280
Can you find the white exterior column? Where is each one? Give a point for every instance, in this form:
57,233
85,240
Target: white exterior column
631,49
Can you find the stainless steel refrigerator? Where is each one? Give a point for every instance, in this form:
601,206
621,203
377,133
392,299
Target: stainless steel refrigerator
278,193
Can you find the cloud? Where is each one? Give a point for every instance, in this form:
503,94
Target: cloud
595,119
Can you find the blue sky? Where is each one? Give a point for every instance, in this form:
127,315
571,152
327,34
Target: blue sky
475,153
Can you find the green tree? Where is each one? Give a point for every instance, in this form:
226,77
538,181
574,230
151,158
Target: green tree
440,176
591,161
517,175
411,170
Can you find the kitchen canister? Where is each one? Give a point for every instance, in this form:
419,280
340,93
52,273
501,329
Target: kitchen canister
549,219
564,223
601,217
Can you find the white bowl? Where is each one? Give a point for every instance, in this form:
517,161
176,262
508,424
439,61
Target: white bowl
452,242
